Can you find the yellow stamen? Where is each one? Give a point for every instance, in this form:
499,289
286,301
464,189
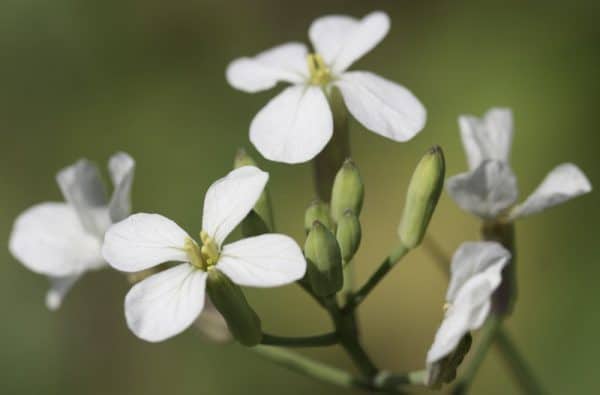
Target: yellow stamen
194,254
319,72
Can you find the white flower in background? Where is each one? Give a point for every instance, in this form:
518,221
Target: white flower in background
167,303
297,124
475,274
489,188
63,240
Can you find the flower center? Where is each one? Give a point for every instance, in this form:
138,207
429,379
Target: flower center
319,72
203,257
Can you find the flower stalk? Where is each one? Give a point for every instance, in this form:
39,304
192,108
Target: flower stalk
327,163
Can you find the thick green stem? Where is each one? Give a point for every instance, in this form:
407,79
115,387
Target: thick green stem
376,277
347,331
327,163
312,368
327,339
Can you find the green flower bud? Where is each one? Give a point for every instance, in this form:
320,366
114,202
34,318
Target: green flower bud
444,370
348,235
423,193
317,211
251,225
324,261
228,298
348,191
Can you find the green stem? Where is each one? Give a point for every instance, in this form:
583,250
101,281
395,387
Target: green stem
519,368
376,277
491,328
327,339
345,325
312,368
327,163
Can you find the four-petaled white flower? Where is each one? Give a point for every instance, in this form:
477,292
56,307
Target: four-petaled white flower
167,303
489,189
297,124
63,240
475,274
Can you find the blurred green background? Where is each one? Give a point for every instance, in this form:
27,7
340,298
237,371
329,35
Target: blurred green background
88,78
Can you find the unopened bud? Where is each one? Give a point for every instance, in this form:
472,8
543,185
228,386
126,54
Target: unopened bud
228,298
251,225
423,193
317,211
348,235
348,191
324,261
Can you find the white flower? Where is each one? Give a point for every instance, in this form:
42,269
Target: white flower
297,124
489,188
475,274
167,303
63,240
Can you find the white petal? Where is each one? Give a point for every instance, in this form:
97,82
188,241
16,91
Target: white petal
122,168
487,138
230,199
473,258
268,260
342,40
487,191
461,319
49,239
285,62
142,241
382,106
294,126
59,287
83,189
165,304
563,183
471,302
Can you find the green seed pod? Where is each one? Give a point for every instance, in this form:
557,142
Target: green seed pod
251,225
423,194
317,211
228,298
348,235
348,191
324,261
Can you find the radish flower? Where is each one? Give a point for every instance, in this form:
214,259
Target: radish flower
167,303
489,189
475,274
297,124
63,240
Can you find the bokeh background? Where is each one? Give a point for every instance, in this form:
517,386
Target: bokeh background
88,78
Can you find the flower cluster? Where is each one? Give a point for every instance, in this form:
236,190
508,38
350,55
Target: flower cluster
186,280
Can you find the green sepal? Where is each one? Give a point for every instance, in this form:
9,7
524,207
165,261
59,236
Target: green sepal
228,298
444,370
324,260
